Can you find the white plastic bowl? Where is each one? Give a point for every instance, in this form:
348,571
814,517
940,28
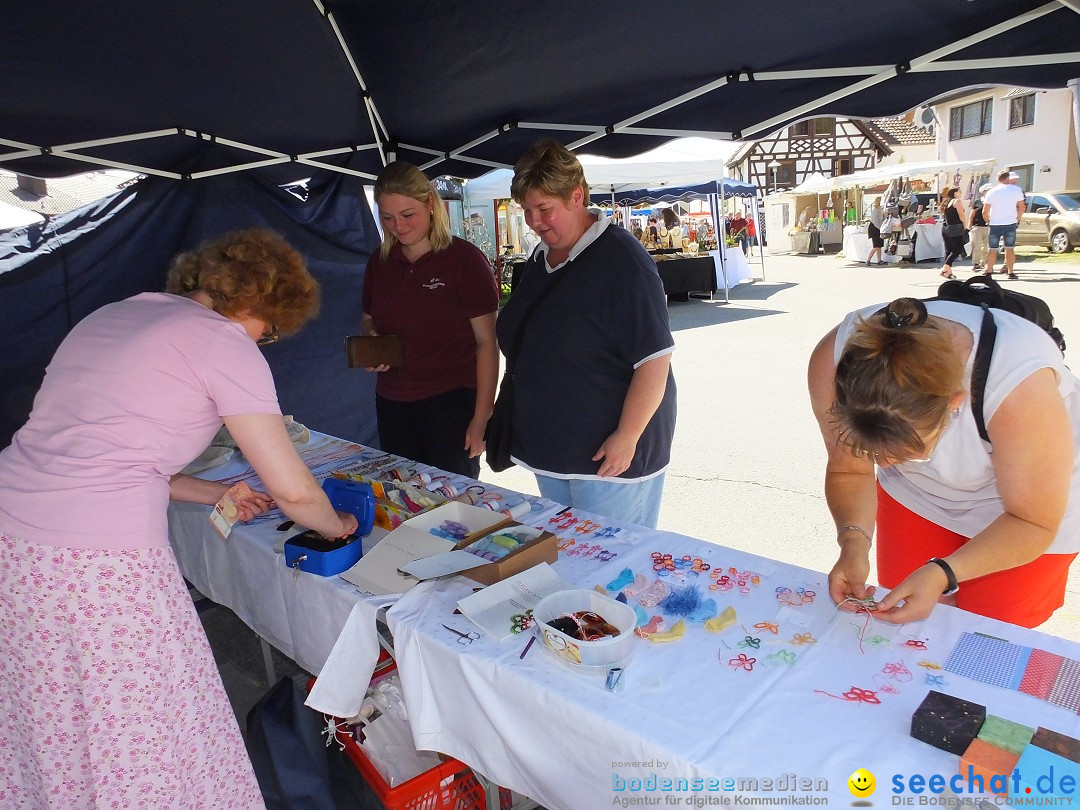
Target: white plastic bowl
596,655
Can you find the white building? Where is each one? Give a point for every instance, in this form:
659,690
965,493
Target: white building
1030,132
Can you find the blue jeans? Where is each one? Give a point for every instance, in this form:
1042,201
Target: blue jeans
999,232
638,502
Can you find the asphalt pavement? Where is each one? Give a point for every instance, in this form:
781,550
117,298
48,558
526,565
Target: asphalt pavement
747,462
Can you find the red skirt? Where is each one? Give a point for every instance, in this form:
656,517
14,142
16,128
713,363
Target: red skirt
1026,595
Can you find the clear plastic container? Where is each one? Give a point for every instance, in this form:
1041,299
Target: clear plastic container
592,656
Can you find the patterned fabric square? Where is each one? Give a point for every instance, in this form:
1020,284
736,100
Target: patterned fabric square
1066,689
987,659
1042,670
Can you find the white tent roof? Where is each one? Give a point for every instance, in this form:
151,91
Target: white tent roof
682,162
818,184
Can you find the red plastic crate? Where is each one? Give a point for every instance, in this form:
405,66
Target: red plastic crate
449,786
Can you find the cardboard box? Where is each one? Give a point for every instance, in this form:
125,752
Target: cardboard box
436,532
479,523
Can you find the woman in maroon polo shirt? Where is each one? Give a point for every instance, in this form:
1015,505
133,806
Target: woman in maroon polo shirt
438,294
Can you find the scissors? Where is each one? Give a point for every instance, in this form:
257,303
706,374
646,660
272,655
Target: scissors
463,638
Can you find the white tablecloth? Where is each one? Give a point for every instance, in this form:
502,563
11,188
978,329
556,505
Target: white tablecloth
690,708
929,244
737,268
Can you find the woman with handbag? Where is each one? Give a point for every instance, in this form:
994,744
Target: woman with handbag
953,232
588,351
438,294
873,230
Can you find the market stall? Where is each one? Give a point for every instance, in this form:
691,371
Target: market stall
778,658
687,168
732,267
792,213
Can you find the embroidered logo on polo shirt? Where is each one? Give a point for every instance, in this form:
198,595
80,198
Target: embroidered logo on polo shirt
431,285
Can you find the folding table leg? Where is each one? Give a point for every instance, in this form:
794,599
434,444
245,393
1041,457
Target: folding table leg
268,661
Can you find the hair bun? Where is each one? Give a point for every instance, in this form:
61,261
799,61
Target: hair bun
905,312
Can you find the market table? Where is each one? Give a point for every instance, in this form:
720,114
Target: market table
790,693
684,276
928,246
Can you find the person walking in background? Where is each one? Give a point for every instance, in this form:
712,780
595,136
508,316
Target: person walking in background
980,232
873,230
1003,206
952,228
594,404
438,294
738,230
109,694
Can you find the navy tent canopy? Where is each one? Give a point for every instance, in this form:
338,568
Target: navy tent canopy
731,188
461,88
283,90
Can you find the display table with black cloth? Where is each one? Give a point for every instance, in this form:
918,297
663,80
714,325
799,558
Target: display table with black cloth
778,699
686,275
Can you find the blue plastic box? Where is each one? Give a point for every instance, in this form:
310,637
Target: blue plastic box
311,553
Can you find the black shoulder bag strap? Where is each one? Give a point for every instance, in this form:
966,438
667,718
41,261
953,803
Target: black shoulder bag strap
520,333
980,370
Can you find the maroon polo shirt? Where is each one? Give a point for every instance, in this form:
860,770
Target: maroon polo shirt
429,304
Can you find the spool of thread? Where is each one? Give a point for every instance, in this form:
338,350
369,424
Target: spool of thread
518,510
469,497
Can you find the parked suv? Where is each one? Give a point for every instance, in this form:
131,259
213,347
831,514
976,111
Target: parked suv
1052,220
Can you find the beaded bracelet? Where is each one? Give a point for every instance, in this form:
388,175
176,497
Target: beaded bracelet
854,528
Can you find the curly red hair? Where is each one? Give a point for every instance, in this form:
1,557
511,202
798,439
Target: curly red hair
253,272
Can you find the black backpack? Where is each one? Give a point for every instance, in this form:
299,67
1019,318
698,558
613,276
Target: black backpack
983,291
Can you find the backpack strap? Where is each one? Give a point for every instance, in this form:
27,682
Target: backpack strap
980,370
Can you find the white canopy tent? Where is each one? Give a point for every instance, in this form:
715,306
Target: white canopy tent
880,175
682,162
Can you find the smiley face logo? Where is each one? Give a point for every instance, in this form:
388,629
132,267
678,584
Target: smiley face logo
861,783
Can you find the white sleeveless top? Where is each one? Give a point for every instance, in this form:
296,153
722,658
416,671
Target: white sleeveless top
957,488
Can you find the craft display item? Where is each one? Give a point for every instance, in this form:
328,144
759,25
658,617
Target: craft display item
988,761
501,543
947,722
1005,734
1060,744
584,625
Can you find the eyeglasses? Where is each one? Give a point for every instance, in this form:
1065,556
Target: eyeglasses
269,336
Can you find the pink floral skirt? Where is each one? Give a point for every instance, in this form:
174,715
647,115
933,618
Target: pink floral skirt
109,695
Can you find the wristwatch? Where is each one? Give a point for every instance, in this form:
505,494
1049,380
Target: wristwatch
954,586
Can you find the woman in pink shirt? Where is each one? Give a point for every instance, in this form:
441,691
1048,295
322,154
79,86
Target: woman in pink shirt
109,695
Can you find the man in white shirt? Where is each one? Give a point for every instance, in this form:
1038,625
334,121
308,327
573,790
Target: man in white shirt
1002,207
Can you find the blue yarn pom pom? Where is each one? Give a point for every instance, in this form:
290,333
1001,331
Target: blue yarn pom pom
682,601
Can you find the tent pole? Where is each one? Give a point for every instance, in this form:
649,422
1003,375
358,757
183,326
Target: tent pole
721,242
757,232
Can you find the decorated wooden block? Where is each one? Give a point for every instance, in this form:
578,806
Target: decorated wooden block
988,761
1041,775
947,722
1060,744
1005,734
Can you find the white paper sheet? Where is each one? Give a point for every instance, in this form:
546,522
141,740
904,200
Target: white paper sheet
441,565
492,608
